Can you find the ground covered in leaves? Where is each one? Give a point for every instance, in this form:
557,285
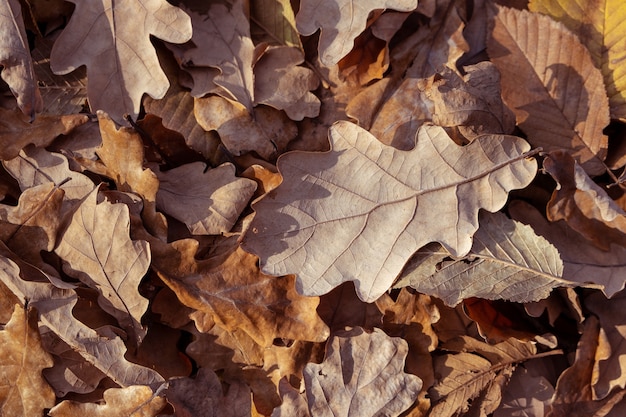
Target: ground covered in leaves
313,208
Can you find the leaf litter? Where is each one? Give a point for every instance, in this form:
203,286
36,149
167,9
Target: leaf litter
335,208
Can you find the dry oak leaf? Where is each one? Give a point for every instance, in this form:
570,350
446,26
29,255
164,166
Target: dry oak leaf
341,21
358,212
208,202
132,401
583,262
526,394
204,396
277,19
552,85
584,205
23,391
104,349
96,249
16,132
16,61
361,375
221,39
601,27
112,38
508,261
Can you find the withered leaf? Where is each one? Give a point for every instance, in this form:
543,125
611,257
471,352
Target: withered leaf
341,21
16,60
132,401
97,249
278,19
358,212
23,391
364,372
563,105
121,61
208,201
507,261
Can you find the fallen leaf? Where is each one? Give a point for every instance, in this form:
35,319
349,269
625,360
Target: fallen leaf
282,84
563,105
16,60
277,18
507,261
220,349
341,308
132,401
340,21
113,41
16,132
97,249
525,394
583,262
221,39
267,133
293,402
203,396
365,227
364,371
208,201
23,391
600,26
583,204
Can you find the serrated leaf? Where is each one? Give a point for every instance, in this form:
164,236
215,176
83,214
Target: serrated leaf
358,212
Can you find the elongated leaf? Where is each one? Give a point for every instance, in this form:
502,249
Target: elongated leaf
507,261
359,212
551,83
601,27
98,251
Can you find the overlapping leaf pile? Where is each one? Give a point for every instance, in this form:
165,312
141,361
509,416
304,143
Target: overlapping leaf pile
335,208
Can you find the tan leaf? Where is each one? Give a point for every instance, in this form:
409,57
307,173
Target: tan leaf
221,39
97,249
293,402
525,394
583,262
342,308
16,60
54,305
16,132
203,396
267,134
132,401
558,98
282,84
340,23
221,349
277,18
364,372
583,204
473,103
365,227
23,391
507,261
600,25
113,40
208,201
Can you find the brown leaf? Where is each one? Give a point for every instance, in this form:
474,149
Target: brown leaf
220,349
23,391
364,373
267,134
277,18
282,84
16,61
293,402
203,396
132,401
209,202
525,394
221,39
97,249
341,308
113,41
365,227
340,23
16,132
561,104
585,205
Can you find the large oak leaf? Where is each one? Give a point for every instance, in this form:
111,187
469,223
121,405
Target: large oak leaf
552,85
358,212
98,250
341,22
362,375
112,38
